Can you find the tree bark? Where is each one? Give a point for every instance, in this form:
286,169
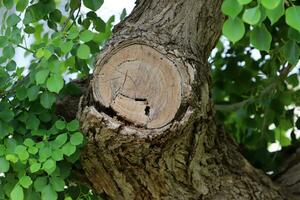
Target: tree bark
148,114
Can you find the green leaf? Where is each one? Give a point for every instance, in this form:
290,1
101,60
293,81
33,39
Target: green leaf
3,41
66,46
17,193
60,140
12,158
76,138
83,52
22,153
93,4
33,92
252,15
44,153
35,167
260,38
234,24
68,149
292,16
38,11
86,36
57,183
33,123
99,24
41,76
40,183
73,33
48,193
293,34
55,15
60,125
231,8
25,181
275,14
55,83
29,142
21,93
291,51
57,155
8,3
4,165
33,150
6,115
47,99
13,20
270,4
21,5
73,125
49,166
8,52
243,2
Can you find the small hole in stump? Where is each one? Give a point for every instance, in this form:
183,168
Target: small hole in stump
147,110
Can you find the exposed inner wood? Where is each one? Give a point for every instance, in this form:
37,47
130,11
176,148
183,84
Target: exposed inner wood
142,85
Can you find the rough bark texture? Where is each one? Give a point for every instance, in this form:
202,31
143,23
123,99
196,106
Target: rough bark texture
189,157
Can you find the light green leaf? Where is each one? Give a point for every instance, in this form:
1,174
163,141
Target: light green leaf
231,8
22,153
35,167
73,125
57,155
68,149
76,138
49,166
55,83
292,16
252,15
86,36
60,140
25,181
4,165
93,4
260,38
66,46
275,14
41,76
243,2
83,52
47,99
60,125
234,24
29,142
270,4
17,193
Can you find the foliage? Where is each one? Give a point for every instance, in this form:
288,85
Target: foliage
257,98
38,148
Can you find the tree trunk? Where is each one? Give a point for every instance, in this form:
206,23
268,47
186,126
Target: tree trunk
149,117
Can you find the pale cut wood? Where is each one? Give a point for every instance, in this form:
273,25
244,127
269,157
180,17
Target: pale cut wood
141,85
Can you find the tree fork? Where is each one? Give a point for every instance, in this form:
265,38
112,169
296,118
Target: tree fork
148,115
